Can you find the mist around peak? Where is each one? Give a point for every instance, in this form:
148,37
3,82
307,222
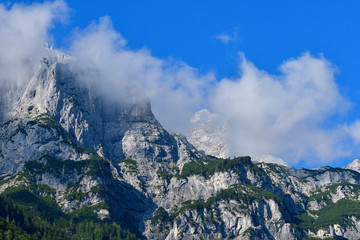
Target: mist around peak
289,115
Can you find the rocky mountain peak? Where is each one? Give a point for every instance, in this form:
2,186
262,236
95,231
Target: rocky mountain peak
208,134
68,148
117,130
354,165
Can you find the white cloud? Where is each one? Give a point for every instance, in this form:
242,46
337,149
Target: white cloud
175,89
24,29
208,133
283,115
353,129
225,38
280,115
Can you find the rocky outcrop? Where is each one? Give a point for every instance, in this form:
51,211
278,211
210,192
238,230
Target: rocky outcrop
208,133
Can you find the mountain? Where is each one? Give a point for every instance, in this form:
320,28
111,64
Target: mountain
75,164
209,135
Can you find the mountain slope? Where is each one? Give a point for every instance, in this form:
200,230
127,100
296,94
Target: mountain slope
62,141
67,137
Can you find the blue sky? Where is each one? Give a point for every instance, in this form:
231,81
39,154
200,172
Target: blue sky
267,32
208,37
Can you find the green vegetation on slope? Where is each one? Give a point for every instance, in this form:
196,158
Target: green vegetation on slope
332,213
160,215
24,215
9,231
243,193
207,167
95,166
44,121
324,195
131,165
317,238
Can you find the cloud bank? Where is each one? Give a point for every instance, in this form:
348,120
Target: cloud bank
288,115
24,29
284,115
175,89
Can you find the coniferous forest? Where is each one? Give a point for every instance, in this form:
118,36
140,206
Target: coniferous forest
26,216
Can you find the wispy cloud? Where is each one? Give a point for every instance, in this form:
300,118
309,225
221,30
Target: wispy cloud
175,89
24,29
225,38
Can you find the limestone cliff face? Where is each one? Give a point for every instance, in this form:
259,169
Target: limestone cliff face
115,157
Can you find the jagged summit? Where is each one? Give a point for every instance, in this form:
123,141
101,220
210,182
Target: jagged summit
12,91
112,129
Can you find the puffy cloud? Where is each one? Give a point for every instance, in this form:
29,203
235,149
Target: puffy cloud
288,115
283,115
24,29
279,115
175,89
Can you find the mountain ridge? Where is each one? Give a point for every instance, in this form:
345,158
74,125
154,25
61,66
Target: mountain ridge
118,161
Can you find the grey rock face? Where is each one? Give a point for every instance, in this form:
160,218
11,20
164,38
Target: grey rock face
57,117
60,131
209,134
